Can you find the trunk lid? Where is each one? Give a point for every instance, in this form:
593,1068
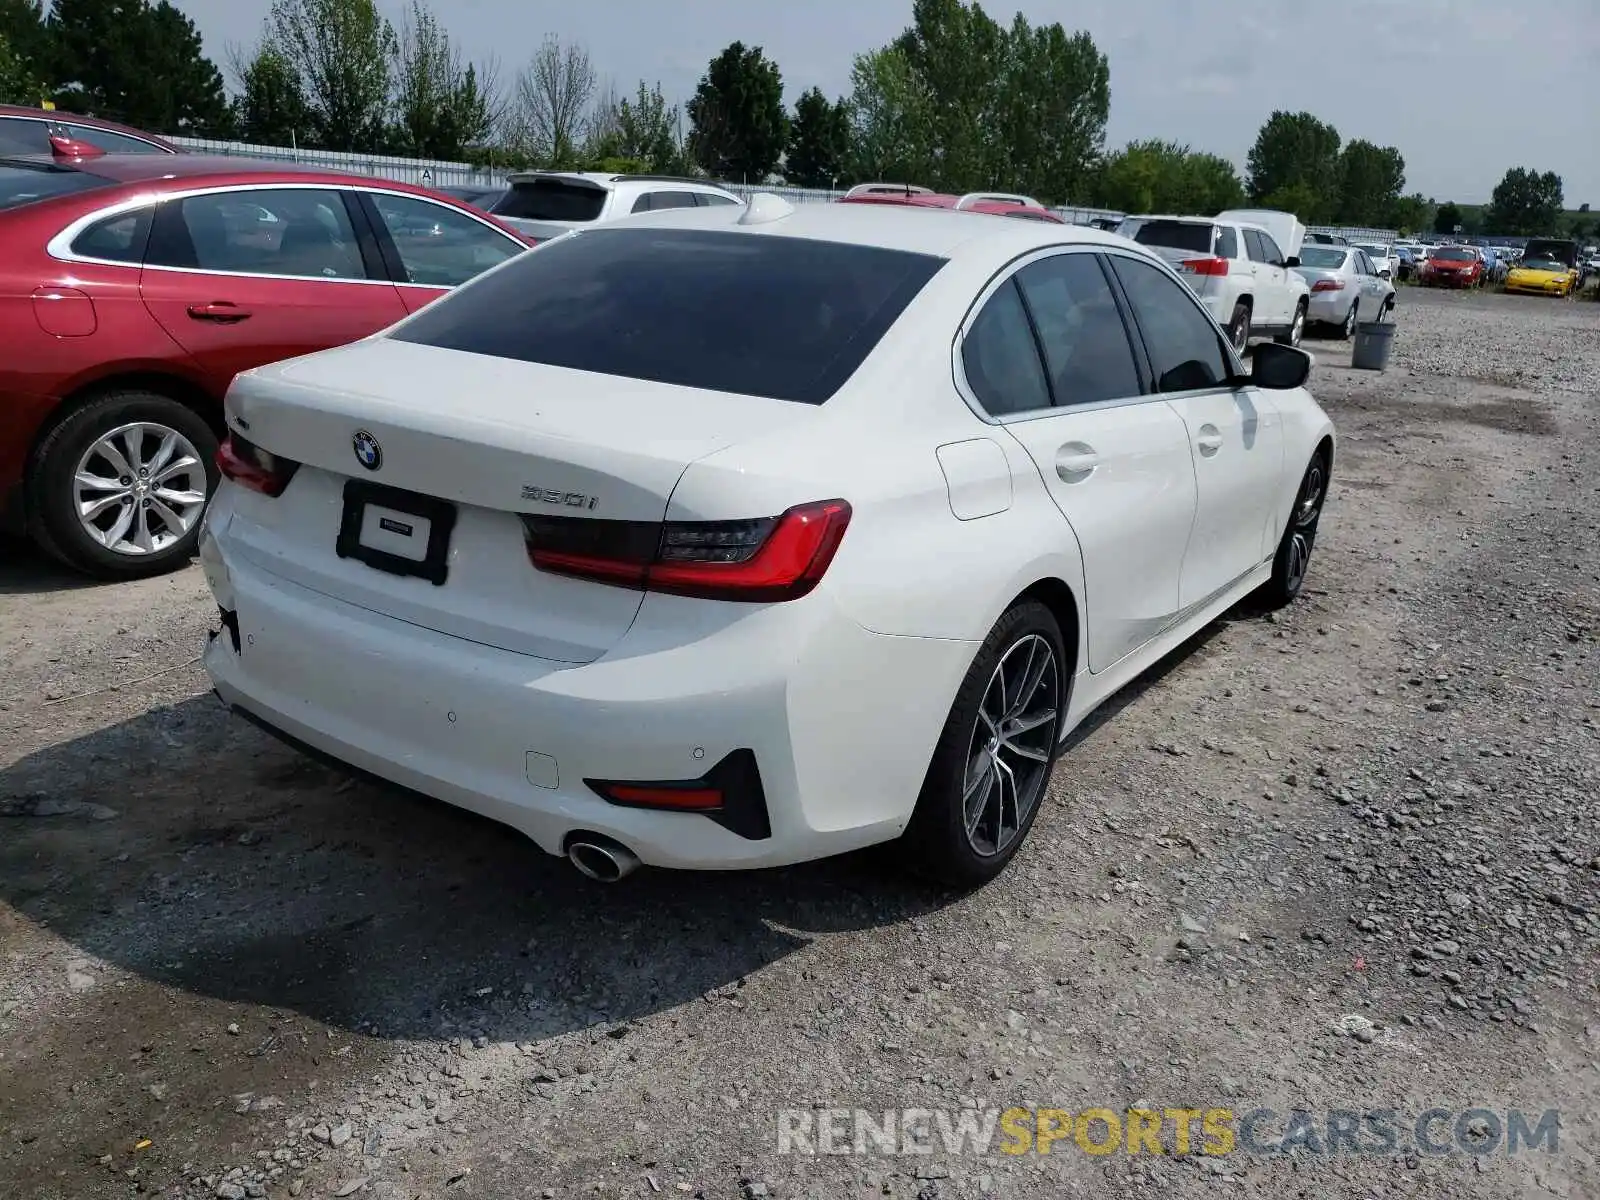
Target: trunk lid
491,437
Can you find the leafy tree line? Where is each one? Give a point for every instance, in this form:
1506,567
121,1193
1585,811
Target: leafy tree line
958,102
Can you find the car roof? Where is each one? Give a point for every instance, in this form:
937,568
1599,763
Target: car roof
942,232
51,114
217,168
991,206
610,180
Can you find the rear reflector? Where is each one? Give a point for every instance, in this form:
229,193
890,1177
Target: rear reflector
248,465
1205,266
761,560
688,798
1328,285
730,794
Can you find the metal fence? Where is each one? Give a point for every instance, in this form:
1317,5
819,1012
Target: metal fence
432,173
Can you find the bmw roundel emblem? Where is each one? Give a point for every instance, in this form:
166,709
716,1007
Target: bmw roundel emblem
368,453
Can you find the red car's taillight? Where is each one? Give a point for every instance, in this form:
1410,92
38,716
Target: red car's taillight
762,560
248,465
1206,266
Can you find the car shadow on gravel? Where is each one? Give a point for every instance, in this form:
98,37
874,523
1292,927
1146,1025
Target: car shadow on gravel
27,571
237,869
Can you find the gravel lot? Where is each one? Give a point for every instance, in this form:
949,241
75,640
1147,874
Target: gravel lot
1346,858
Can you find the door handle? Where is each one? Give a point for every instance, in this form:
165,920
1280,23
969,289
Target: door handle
220,311
1075,462
1209,440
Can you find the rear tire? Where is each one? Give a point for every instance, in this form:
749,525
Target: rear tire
991,767
1239,327
1348,329
1297,328
156,463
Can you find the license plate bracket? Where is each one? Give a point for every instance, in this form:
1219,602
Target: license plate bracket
376,511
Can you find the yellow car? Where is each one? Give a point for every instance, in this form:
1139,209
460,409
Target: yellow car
1547,268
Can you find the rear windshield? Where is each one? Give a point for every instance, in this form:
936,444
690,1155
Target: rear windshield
1174,235
550,200
24,183
751,314
1322,256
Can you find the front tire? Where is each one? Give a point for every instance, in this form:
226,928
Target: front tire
991,766
1293,559
118,487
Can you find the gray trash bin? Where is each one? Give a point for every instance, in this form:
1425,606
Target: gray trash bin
1374,340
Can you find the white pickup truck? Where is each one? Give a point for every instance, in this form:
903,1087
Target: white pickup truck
1240,270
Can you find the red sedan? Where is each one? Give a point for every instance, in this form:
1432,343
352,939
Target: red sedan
1453,266
36,130
1000,204
135,286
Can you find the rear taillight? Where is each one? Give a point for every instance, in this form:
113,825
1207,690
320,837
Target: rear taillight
248,465
761,560
1206,266
1328,285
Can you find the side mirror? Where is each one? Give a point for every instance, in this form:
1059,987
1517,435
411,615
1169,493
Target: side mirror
1279,368
1291,261
1385,273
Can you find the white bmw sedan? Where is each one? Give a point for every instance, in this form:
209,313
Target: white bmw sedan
734,537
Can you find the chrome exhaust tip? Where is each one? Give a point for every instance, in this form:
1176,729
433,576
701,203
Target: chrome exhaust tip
600,858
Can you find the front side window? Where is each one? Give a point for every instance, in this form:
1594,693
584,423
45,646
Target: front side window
438,246
1001,358
756,315
1255,246
1085,343
24,135
1270,248
1186,352
301,232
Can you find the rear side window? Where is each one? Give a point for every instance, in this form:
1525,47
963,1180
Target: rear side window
750,314
660,201
111,143
119,239
1175,235
551,200
26,183
712,199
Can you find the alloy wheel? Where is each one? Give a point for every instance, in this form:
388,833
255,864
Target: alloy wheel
139,488
1297,331
1307,509
1350,322
1008,756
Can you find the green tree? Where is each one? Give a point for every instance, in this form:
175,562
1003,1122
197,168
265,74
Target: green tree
647,130
341,51
1525,202
138,63
440,108
819,141
18,83
1296,158
1162,177
737,126
25,59
270,108
961,56
1371,179
1055,99
1413,213
891,120
1447,217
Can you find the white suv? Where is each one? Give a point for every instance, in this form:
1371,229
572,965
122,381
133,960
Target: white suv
1238,271
546,204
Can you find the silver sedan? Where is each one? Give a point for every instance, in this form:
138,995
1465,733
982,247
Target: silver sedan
1346,287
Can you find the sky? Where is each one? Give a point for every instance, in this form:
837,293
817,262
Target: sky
1464,88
